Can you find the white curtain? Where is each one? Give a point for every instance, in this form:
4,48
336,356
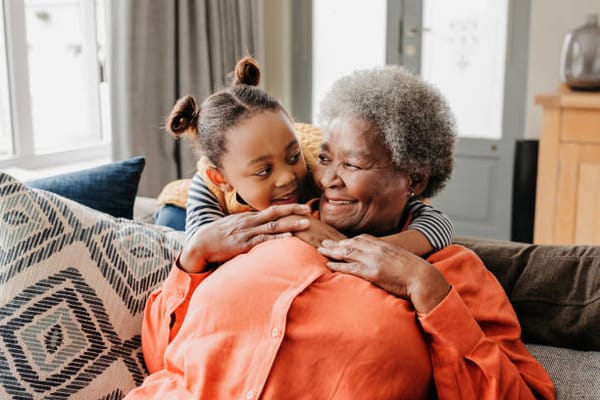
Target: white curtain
212,36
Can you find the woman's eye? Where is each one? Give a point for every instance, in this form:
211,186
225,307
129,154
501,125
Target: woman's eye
323,159
351,166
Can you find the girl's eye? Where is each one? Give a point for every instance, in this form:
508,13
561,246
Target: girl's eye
263,172
294,158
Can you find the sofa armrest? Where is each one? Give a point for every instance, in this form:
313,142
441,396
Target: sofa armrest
555,290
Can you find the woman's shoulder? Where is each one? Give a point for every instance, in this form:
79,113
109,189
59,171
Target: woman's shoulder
452,251
457,261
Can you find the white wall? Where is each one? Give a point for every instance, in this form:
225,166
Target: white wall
551,20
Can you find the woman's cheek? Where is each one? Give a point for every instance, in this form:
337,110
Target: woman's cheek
316,176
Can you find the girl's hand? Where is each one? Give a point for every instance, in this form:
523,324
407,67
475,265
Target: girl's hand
316,231
390,267
234,234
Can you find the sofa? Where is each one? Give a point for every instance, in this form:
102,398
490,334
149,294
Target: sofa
74,280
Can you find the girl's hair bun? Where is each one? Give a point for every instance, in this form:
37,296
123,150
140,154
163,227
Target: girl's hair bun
247,72
183,117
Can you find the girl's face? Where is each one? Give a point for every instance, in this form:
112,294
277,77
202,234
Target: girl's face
362,191
264,162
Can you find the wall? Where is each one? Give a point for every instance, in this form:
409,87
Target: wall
551,20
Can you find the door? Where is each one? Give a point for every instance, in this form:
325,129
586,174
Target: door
475,51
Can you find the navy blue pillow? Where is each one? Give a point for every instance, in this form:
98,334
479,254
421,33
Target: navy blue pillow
110,188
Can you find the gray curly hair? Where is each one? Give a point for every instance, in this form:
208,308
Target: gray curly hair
411,115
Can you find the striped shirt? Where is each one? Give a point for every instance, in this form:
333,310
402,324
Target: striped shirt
203,207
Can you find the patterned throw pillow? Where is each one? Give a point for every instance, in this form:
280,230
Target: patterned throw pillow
73,284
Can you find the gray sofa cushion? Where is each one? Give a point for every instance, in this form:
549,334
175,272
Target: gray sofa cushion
576,374
555,290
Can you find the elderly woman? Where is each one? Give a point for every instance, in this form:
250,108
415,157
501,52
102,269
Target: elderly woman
281,321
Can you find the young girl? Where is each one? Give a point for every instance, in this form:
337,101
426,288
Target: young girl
252,158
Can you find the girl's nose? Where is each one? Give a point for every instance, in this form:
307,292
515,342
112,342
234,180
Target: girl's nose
286,177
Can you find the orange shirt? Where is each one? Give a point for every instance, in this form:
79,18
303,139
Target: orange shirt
276,323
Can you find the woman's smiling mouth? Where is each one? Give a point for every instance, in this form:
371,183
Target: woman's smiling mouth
330,201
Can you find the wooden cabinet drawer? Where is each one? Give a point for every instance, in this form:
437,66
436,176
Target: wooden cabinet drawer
577,212
587,224
580,125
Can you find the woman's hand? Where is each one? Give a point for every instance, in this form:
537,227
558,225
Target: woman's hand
234,234
390,267
316,231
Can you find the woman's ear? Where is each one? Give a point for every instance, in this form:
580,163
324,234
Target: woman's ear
418,184
217,178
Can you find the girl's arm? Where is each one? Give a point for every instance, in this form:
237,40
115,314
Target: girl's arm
202,206
430,230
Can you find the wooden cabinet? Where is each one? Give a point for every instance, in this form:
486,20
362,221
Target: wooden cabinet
567,209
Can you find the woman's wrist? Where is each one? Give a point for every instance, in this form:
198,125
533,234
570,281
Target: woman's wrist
428,290
191,261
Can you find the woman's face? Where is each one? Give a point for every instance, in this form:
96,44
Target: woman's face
362,192
264,161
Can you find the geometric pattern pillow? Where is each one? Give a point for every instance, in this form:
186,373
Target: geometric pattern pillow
73,284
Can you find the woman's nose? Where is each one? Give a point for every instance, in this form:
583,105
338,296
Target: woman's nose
329,176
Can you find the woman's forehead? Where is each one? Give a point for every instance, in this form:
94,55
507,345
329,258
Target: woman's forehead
353,134
349,122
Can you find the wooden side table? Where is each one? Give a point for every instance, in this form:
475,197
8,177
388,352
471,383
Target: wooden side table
567,209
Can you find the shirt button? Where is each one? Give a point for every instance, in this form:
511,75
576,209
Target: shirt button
180,293
249,394
274,332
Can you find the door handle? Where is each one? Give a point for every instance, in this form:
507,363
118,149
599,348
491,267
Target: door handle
414,31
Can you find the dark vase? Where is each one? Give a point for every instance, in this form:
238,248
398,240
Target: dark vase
580,56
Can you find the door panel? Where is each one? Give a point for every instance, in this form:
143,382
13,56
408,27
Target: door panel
478,197
477,173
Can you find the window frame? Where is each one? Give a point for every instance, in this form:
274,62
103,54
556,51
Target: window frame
24,154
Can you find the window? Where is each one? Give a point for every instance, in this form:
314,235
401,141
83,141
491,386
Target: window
464,54
349,35
6,144
53,98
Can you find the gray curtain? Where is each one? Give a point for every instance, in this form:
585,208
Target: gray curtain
212,36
